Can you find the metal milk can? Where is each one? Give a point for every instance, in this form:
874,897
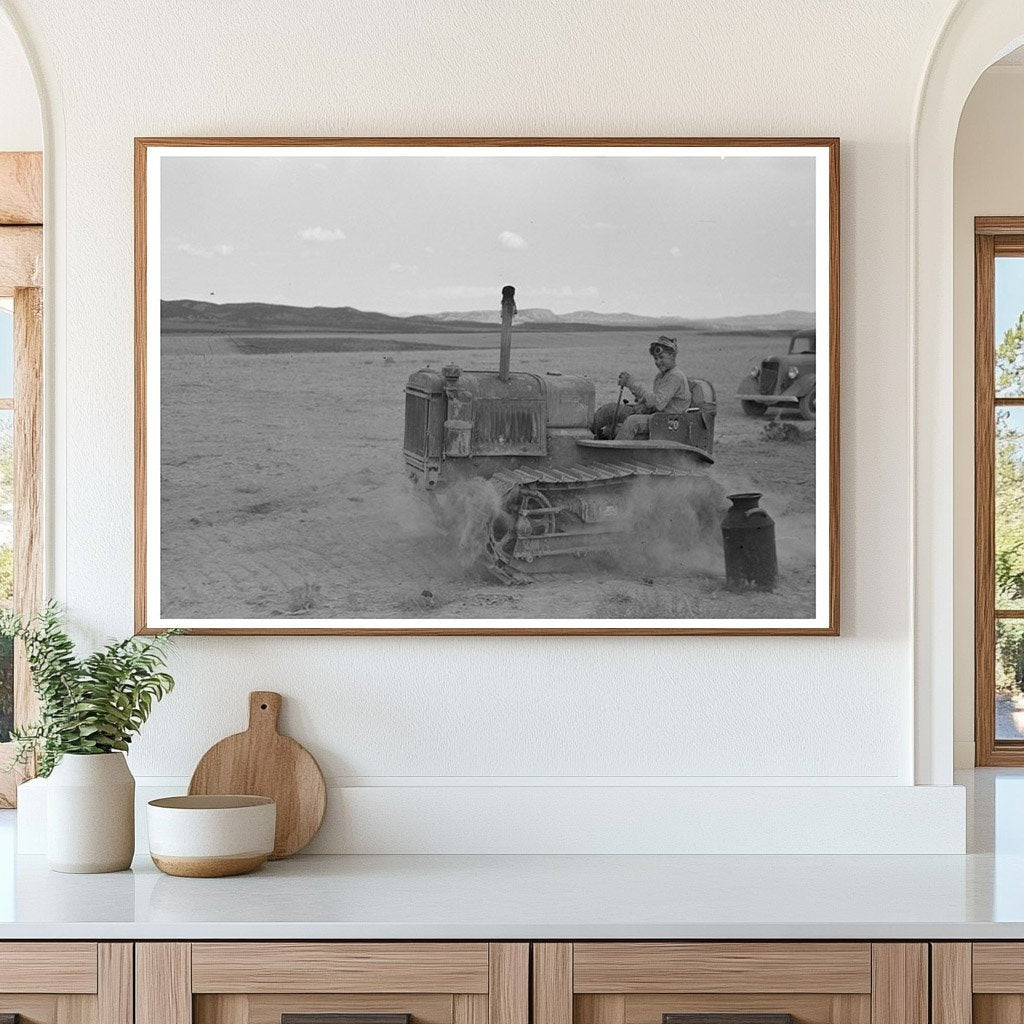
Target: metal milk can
748,533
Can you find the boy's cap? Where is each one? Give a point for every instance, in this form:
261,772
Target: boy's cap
666,343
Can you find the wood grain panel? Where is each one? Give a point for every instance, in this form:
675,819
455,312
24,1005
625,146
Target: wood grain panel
592,1009
469,1009
552,983
339,967
21,259
65,967
850,1009
229,1009
998,225
76,1010
508,992
163,983
899,993
34,1009
998,967
636,967
11,780
28,484
1010,245
21,188
805,1008
140,389
834,391
951,983
998,1009
984,502
267,1009
115,983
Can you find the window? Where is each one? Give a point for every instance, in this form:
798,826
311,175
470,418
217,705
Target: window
999,490
21,348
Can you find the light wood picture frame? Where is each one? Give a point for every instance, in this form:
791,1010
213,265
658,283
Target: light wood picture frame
495,386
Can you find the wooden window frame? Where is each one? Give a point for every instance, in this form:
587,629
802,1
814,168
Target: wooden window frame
21,278
993,237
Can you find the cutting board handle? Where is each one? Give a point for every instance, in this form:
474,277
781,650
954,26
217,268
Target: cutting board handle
264,710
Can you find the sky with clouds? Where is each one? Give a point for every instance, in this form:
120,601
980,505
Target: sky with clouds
681,235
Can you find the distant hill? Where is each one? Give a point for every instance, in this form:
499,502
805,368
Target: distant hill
184,316
787,320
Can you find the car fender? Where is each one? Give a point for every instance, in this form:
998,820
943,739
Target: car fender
803,385
748,386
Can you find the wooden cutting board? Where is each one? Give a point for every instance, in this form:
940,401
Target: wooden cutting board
262,762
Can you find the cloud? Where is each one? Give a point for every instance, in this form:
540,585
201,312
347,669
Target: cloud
675,251
206,254
319,234
403,268
510,240
597,225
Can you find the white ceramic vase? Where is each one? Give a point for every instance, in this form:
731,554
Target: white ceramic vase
90,814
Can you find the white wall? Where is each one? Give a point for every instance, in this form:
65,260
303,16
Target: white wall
21,127
987,182
440,716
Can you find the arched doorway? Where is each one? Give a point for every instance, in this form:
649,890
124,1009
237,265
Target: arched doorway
976,34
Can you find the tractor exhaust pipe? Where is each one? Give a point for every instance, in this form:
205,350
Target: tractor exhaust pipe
508,310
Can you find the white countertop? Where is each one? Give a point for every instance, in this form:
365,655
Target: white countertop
977,896
516,897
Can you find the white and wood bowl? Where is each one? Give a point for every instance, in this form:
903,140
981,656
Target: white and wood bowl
211,836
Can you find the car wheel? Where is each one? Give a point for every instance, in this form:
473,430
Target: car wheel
808,405
753,408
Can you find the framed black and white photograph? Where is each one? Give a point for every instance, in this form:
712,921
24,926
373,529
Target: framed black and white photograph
491,386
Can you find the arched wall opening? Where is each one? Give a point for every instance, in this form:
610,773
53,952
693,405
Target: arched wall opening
977,33
986,183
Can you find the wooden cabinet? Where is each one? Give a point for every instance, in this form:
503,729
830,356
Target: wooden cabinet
759,982
264,982
494,983
66,982
978,983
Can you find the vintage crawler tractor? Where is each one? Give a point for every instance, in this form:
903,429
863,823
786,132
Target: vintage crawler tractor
556,489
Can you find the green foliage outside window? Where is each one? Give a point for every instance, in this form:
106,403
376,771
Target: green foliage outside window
1009,510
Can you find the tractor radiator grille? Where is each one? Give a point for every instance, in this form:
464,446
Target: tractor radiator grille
417,413
769,378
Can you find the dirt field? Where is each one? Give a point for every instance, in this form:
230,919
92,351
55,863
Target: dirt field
284,493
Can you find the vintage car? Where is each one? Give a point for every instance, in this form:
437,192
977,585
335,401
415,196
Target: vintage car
782,381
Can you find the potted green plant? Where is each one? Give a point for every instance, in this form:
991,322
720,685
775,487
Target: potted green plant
89,710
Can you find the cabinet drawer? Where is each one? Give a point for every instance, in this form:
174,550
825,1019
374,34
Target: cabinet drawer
340,967
332,983
980,982
634,967
730,983
65,967
66,982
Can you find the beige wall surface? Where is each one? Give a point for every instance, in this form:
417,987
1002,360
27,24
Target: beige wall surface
691,710
987,182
